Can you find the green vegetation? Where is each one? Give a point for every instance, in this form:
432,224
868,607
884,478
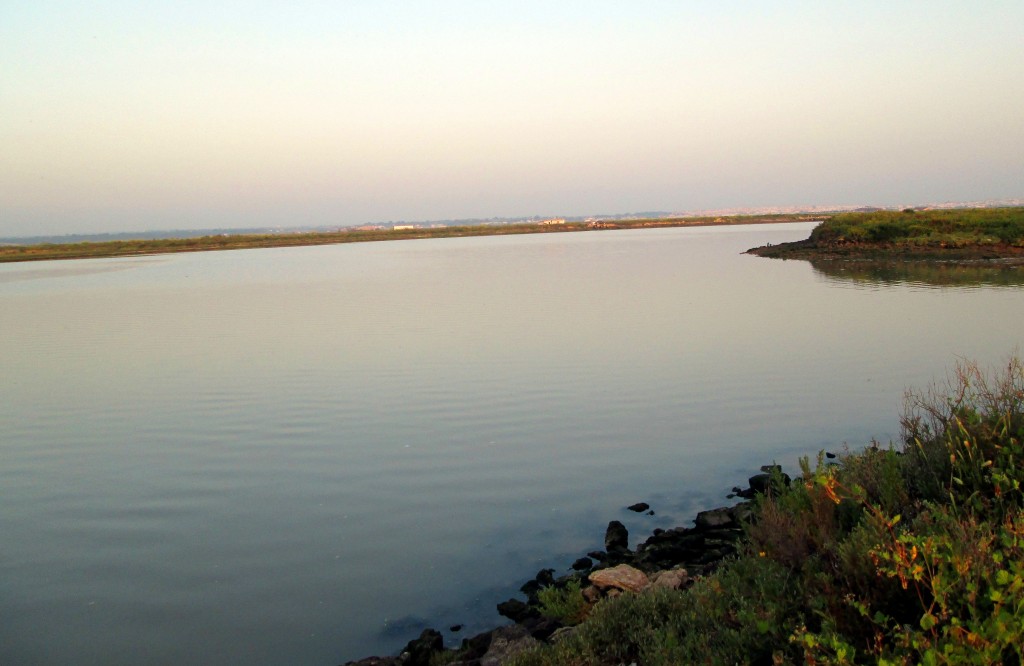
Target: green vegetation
961,234
912,555
247,241
944,228
565,604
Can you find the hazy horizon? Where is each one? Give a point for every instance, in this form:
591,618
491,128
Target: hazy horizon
123,117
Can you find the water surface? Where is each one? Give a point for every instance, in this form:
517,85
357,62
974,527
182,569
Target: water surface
305,455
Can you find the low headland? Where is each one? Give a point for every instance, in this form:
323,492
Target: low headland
141,247
967,235
911,553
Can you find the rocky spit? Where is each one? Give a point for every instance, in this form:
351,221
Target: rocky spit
670,558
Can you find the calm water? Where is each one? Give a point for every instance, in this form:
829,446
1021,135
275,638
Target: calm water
304,455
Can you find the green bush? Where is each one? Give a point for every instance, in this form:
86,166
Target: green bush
565,604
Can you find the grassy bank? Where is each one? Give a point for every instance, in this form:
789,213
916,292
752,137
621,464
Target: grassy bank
892,555
977,234
124,248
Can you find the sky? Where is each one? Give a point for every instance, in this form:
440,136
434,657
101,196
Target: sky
140,115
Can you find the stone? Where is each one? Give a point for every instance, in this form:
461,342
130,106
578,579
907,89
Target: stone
516,610
616,537
639,507
544,578
418,651
506,642
759,483
477,646
541,627
674,579
583,564
376,661
598,555
621,577
720,517
591,594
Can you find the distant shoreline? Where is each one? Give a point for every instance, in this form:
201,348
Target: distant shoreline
131,248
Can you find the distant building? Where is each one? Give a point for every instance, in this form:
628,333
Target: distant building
554,220
403,227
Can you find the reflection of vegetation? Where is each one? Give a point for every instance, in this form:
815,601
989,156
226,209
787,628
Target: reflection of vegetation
911,556
123,248
977,235
934,274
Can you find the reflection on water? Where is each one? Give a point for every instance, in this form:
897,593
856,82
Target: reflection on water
919,273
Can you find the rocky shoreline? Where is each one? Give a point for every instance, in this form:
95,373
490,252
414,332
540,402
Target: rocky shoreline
670,558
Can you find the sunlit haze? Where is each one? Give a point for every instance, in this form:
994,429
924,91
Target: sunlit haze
126,116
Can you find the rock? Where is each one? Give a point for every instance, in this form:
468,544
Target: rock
418,652
651,512
639,507
544,578
616,537
671,547
476,647
759,483
455,628
720,517
598,555
507,642
541,627
583,564
591,594
622,577
376,661
674,579
516,610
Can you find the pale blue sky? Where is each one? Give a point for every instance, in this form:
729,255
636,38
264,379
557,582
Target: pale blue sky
118,116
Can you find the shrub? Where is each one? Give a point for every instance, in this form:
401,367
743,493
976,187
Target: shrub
565,604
